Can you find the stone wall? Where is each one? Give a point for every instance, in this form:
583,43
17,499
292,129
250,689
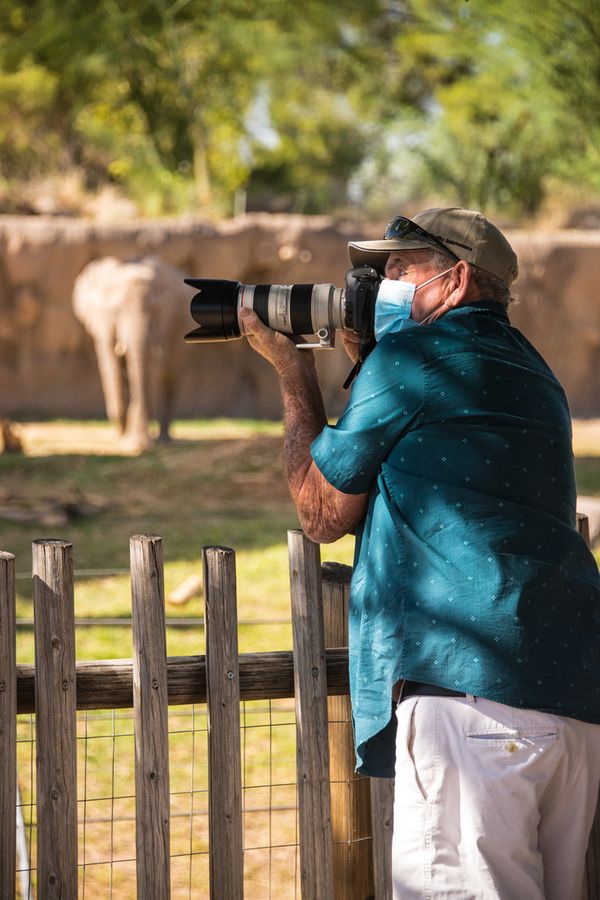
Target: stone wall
47,362
559,308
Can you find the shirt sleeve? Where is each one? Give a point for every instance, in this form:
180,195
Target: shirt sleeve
386,399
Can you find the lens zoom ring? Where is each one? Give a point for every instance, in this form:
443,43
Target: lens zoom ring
261,302
300,309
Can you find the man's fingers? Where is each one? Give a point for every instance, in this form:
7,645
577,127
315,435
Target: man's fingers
250,322
254,327
351,343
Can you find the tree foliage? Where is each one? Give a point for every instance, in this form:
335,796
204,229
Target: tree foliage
305,105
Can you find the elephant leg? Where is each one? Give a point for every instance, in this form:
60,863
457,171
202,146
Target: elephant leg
137,429
165,408
109,366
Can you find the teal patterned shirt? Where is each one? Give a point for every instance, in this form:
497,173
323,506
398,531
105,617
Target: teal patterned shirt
469,572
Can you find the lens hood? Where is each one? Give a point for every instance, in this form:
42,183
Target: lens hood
214,308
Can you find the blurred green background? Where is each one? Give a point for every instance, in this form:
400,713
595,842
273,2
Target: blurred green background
218,106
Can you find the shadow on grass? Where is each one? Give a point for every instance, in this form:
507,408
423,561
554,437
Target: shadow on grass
587,470
191,492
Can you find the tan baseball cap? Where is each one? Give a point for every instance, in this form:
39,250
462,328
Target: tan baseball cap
462,233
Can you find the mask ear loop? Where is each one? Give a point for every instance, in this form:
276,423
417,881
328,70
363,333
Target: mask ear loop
440,305
432,313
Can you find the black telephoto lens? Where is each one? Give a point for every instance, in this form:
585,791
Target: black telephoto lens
214,308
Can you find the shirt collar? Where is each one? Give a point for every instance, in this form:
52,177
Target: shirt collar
481,306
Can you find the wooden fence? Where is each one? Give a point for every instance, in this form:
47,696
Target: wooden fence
345,820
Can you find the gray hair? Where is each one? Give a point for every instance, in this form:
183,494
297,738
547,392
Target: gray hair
490,287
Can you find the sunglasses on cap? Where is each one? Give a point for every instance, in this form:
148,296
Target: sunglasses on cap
401,228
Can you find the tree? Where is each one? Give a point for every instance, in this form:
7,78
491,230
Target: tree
562,38
484,104
511,97
170,85
179,74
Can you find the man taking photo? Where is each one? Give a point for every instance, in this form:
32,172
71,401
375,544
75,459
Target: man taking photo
475,605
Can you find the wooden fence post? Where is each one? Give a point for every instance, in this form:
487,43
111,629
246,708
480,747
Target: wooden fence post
382,815
350,797
591,878
583,527
151,718
224,750
8,726
56,719
312,755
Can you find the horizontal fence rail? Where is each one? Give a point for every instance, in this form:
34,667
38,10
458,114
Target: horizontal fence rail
108,683
345,821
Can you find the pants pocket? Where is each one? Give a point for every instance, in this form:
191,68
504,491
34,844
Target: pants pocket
416,747
513,740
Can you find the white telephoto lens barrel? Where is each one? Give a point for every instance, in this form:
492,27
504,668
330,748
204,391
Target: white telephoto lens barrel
327,307
295,308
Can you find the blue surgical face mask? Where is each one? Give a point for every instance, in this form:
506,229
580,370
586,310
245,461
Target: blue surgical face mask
394,304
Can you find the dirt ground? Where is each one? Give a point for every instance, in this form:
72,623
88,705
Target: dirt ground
99,438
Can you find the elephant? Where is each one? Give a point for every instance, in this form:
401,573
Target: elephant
137,312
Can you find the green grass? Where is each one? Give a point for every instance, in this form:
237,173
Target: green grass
217,483
587,470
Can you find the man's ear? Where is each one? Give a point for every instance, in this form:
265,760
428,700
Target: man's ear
462,286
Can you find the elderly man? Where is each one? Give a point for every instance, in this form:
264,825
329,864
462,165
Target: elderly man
475,605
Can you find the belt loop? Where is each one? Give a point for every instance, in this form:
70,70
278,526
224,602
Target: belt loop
470,698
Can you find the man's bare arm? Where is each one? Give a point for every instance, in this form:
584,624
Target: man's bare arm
324,512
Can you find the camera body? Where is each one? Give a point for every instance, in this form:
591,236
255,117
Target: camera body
293,309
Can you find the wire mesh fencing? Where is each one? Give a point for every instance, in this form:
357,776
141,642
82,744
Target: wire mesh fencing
106,818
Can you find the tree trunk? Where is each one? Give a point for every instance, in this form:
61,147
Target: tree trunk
202,177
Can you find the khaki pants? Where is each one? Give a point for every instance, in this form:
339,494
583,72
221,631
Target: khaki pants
491,801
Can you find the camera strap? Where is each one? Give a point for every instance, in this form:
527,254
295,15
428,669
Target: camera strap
366,345
352,374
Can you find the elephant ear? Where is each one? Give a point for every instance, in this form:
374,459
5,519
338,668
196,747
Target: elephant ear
93,288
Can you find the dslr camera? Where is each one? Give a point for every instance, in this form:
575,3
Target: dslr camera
292,309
